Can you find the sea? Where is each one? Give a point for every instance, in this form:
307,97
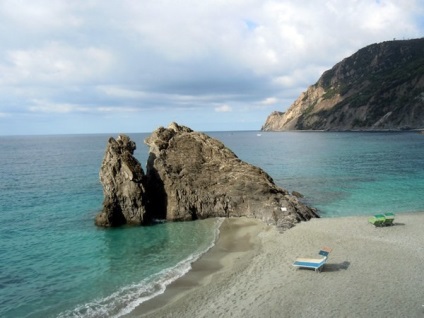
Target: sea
54,262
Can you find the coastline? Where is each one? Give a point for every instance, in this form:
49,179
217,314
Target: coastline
236,244
248,273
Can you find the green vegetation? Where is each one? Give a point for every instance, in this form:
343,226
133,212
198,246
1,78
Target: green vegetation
310,108
385,77
330,93
380,71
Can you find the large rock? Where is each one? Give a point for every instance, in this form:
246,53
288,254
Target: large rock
189,176
122,178
193,176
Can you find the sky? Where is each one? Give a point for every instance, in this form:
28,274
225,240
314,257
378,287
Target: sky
127,66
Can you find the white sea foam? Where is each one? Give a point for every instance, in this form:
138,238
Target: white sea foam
129,297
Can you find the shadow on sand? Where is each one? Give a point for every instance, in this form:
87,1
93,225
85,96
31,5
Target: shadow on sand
334,267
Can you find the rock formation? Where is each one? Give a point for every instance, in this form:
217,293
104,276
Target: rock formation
122,178
190,176
381,87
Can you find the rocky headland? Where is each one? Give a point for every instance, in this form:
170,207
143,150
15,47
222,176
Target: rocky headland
380,87
189,176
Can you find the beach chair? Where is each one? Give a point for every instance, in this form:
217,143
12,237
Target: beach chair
389,218
377,220
315,263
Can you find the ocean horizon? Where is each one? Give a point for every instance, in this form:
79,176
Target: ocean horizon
56,263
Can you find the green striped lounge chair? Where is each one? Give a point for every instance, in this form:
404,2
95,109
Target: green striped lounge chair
389,218
377,220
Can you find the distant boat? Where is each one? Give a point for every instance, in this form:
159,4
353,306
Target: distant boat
258,135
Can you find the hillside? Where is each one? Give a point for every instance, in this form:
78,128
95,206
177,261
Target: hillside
380,87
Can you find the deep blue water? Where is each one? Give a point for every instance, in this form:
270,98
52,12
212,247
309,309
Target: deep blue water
55,263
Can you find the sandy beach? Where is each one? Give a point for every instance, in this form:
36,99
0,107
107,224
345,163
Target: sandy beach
371,272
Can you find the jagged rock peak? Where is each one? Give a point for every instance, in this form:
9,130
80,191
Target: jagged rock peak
122,178
380,87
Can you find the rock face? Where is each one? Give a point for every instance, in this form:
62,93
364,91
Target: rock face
189,176
381,87
192,176
122,178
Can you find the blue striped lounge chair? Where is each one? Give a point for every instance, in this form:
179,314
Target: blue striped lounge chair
315,263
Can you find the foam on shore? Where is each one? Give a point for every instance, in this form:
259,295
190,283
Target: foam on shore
371,272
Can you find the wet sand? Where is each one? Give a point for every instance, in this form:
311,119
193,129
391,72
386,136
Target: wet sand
371,272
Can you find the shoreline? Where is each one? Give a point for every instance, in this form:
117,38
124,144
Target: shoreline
236,243
248,273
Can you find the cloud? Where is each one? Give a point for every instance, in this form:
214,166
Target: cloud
40,106
269,101
121,92
37,15
223,109
117,109
167,58
54,64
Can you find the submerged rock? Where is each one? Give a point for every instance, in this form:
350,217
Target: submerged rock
122,178
193,176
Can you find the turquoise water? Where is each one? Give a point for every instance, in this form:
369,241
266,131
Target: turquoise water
55,263
341,173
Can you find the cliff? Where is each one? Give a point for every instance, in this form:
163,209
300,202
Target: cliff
190,176
380,87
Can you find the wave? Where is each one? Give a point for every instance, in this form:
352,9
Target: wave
126,299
